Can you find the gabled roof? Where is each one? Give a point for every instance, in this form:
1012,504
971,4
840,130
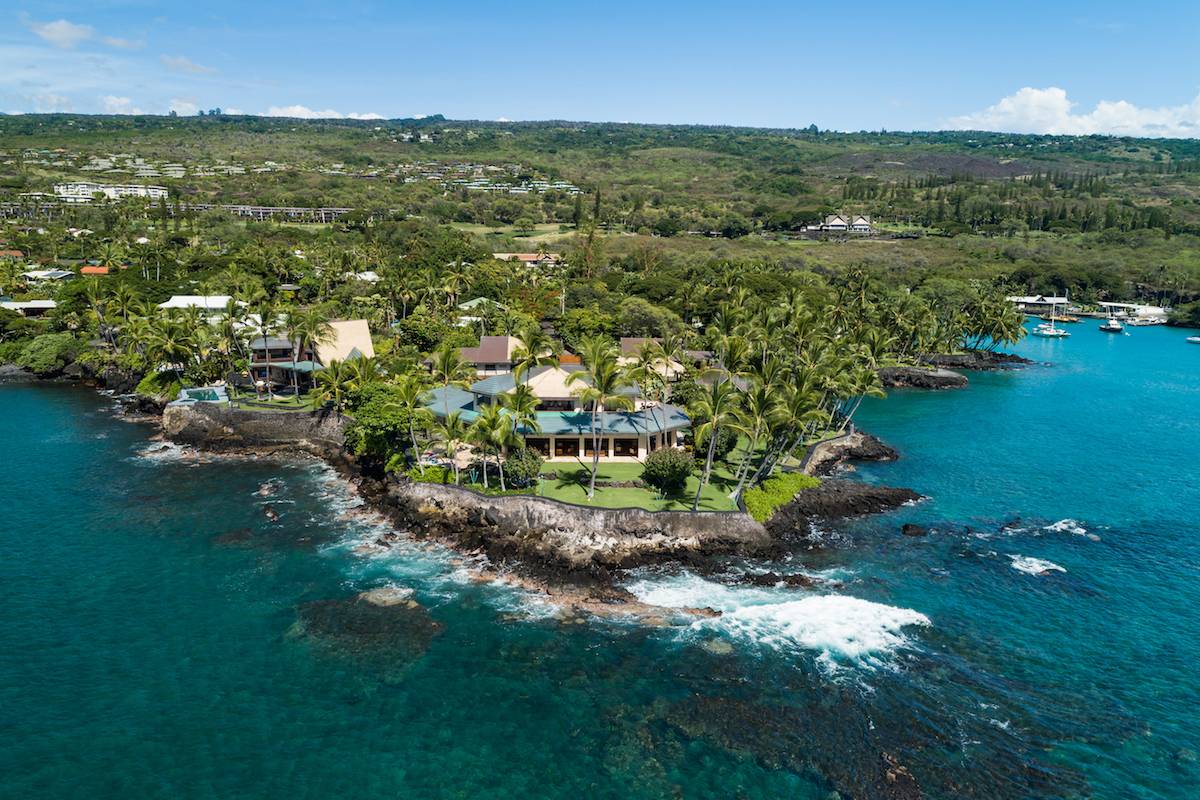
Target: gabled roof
491,350
350,338
47,274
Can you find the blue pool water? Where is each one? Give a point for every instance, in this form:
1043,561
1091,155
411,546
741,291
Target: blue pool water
162,637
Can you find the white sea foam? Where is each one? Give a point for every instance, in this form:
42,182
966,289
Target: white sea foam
838,627
1067,526
1034,566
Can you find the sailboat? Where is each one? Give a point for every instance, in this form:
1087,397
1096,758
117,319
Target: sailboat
1047,330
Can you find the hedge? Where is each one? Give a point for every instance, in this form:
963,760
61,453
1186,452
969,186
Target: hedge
763,500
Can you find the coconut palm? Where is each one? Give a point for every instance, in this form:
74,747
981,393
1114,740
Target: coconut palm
332,386
603,380
521,404
452,432
759,409
449,369
306,329
716,406
535,349
491,428
408,394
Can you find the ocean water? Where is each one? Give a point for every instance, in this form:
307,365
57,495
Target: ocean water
163,636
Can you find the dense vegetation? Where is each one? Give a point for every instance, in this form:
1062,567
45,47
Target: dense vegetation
686,234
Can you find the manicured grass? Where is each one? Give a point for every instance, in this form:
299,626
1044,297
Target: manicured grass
279,403
571,487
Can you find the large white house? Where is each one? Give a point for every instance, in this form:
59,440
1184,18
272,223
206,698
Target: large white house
84,192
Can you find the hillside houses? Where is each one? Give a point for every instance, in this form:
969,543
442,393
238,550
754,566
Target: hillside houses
841,224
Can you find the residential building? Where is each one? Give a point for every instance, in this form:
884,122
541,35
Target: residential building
531,259
29,308
564,423
1038,303
85,192
860,224
631,348
46,275
493,355
273,359
835,223
205,302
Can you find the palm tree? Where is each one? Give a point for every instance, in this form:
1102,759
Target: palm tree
449,369
408,396
362,372
333,386
535,349
752,419
603,380
452,432
716,407
521,404
490,428
306,328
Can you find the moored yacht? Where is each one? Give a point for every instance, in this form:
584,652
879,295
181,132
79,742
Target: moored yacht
1111,326
1193,340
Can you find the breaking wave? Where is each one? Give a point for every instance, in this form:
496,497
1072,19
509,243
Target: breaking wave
1034,566
839,628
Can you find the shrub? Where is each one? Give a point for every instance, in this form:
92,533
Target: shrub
668,470
49,353
159,386
727,439
380,426
763,500
522,467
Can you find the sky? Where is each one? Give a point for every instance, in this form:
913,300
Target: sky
1067,67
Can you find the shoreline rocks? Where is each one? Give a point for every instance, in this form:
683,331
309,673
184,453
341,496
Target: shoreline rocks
837,499
977,360
920,378
826,456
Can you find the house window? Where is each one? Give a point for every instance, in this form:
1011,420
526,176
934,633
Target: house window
542,446
625,447
587,446
565,448
556,405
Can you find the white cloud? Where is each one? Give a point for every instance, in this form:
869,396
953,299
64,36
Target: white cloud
124,44
184,108
1050,111
62,33
51,102
119,105
503,119
304,112
184,64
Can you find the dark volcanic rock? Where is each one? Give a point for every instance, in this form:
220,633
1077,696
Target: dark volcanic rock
391,637
918,378
977,360
911,529
857,446
838,499
11,372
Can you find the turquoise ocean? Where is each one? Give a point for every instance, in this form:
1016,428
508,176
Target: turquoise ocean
162,637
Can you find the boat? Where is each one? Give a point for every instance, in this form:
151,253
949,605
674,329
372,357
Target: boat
1112,326
1140,322
1193,340
1064,318
1047,331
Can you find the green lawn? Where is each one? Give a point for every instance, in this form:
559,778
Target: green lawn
572,481
248,400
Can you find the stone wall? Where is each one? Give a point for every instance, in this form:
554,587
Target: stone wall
219,427
572,538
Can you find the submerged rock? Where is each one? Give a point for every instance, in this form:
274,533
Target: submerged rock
389,637
388,596
912,529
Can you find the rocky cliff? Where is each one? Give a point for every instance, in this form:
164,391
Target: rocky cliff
561,536
217,427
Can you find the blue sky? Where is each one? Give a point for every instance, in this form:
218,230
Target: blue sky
1066,67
